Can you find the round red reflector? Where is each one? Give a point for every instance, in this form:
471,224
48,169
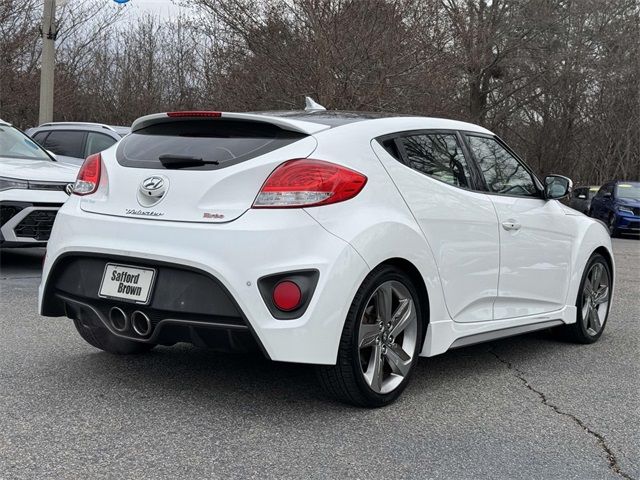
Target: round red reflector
287,296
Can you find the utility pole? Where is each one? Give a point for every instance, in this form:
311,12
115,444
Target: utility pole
47,66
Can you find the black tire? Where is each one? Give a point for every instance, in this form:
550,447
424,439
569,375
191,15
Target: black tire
96,334
345,381
579,332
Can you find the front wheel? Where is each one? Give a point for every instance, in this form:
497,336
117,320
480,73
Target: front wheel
592,302
380,342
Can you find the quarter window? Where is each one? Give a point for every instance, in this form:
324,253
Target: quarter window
502,172
97,142
39,137
438,155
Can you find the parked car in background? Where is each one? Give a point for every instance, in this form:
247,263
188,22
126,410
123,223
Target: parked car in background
72,142
617,204
581,198
33,186
354,241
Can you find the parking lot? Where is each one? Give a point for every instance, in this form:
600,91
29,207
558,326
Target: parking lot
525,407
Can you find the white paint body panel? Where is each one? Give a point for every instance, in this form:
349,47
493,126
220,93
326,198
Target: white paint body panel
452,237
463,238
535,260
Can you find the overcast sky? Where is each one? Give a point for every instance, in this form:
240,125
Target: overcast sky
160,7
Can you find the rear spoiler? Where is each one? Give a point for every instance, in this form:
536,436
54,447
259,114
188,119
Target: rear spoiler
307,128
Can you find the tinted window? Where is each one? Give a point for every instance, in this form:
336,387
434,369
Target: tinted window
15,144
219,143
66,142
391,147
97,142
39,137
502,172
437,155
604,190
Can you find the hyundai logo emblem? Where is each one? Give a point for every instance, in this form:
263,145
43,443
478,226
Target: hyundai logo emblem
153,183
152,190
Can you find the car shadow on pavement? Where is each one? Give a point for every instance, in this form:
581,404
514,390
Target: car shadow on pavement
252,382
21,262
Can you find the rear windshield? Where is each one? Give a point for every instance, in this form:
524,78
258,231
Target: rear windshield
214,143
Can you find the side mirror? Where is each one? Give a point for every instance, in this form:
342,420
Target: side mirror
557,187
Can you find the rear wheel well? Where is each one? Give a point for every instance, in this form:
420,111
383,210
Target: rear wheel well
418,282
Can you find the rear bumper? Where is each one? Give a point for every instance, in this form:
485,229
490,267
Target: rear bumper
234,256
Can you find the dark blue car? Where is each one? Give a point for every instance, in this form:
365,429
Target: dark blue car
617,204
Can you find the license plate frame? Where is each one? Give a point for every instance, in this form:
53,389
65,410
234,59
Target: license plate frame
146,274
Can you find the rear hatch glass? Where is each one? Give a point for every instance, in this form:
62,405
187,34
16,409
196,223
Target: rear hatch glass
208,144
207,170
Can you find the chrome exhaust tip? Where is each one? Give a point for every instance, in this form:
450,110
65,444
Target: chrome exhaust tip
141,323
119,319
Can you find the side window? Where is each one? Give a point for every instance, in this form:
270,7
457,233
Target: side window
604,190
502,172
609,190
66,142
97,142
391,148
40,136
438,155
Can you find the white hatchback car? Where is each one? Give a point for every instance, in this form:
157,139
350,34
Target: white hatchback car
357,242
33,186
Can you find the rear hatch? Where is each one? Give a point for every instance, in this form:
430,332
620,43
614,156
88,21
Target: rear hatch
192,167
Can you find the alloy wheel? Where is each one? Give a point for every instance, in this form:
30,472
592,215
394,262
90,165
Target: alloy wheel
387,336
595,298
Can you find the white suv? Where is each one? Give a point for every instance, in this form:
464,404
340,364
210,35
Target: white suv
33,186
357,242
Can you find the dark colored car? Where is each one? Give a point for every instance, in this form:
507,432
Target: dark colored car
617,204
581,198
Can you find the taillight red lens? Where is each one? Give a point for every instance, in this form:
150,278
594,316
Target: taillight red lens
307,183
193,113
287,296
89,175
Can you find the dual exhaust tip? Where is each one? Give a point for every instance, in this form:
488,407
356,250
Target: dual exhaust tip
139,321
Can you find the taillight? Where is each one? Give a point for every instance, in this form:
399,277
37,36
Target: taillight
88,176
308,183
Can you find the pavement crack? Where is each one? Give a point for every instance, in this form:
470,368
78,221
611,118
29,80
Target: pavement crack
600,440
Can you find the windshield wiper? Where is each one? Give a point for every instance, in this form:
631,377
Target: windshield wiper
170,160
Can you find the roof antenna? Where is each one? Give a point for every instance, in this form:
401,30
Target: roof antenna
310,105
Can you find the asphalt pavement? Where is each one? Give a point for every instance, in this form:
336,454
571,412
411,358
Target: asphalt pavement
530,407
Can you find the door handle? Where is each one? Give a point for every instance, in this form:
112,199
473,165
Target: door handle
511,225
